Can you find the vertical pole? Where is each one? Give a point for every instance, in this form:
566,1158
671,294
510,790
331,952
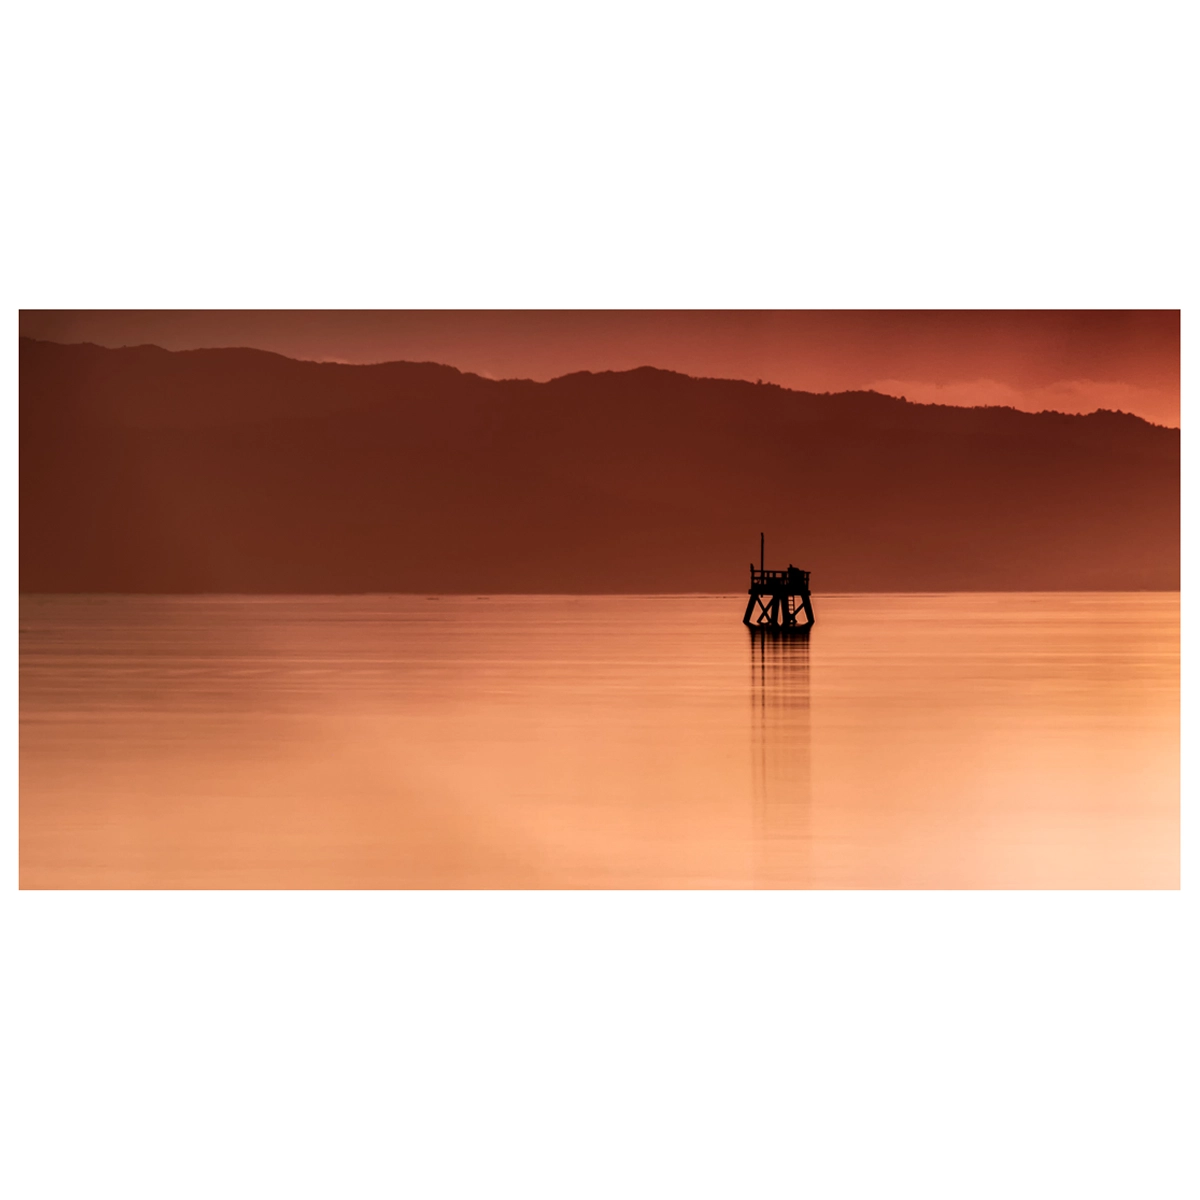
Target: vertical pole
761,543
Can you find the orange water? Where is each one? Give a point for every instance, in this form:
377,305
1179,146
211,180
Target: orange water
917,741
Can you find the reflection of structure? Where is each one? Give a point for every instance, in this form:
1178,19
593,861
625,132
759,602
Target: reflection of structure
780,739
778,597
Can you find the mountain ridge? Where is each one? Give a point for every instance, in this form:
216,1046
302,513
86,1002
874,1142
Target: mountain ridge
643,370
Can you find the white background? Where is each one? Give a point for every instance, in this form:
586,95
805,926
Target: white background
855,155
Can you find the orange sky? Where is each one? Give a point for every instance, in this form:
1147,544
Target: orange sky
1069,361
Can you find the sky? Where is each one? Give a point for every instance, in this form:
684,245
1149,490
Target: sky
1070,361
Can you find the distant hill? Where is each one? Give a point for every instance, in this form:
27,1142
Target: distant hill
242,471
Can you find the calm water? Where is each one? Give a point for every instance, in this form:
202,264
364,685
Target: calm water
604,742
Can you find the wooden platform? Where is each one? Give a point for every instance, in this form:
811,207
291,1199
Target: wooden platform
777,598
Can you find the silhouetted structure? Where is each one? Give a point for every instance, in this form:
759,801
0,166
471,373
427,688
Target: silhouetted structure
779,597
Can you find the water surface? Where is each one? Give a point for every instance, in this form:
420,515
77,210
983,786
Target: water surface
915,741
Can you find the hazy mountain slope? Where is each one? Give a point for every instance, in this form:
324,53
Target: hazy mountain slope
238,470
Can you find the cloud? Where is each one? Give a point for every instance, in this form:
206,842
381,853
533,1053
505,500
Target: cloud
1065,395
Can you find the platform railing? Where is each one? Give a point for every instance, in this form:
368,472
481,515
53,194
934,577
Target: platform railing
792,577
